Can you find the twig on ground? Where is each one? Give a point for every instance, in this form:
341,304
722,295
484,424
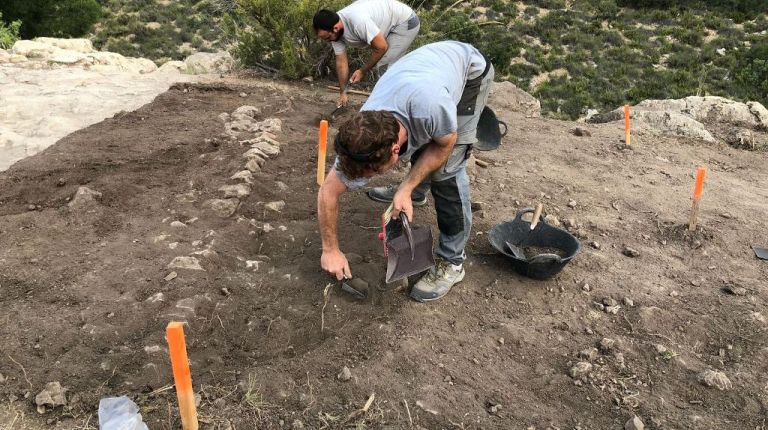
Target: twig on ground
107,380
408,410
326,297
23,370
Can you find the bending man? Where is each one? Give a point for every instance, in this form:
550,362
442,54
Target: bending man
387,26
425,107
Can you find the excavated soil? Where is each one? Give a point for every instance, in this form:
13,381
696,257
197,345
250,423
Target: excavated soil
85,300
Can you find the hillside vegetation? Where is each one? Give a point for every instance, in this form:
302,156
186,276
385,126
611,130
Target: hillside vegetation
574,55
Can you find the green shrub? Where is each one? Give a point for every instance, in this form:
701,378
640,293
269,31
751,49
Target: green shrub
9,33
56,18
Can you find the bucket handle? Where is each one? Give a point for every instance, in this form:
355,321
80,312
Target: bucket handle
408,234
519,216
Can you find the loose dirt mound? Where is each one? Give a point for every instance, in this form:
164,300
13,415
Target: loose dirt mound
87,292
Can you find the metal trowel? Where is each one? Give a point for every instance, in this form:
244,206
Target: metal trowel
356,287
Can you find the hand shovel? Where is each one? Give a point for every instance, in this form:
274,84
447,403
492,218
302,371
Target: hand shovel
515,249
339,108
409,253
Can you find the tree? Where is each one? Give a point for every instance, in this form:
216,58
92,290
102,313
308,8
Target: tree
57,18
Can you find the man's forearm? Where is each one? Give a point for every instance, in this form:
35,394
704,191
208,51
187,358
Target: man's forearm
376,55
342,71
433,158
328,216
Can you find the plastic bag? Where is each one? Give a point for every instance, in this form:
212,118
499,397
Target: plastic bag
119,413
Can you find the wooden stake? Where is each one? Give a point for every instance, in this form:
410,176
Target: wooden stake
627,133
358,92
697,191
322,142
536,216
181,375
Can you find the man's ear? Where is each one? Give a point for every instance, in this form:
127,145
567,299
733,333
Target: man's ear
395,148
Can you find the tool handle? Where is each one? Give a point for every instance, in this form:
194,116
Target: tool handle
408,234
536,216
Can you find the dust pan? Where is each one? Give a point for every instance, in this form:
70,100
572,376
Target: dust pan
409,250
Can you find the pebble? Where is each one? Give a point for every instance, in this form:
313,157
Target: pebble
31,207
594,244
53,395
585,286
628,302
607,301
612,309
2,378
588,354
736,291
171,276
674,294
297,425
660,349
190,263
607,344
580,369
552,220
275,206
581,132
345,374
569,222
225,291
631,252
635,423
243,95
572,204
178,224
713,378
501,341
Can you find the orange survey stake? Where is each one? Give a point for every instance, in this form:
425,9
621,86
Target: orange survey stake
177,347
626,125
701,172
322,142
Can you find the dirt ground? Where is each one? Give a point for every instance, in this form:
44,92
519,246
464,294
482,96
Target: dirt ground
81,300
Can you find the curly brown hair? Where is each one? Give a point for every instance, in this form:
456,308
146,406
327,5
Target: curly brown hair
364,142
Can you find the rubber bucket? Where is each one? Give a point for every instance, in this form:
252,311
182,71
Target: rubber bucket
519,234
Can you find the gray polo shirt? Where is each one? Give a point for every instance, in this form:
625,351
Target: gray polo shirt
364,19
422,90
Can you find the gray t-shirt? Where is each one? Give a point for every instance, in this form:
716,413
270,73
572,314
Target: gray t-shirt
422,90
364,19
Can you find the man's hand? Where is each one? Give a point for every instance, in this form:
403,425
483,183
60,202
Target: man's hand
335,263
402,202
357,76
343,99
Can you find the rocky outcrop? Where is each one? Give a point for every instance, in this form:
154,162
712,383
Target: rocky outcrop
51,87
706,118
506,96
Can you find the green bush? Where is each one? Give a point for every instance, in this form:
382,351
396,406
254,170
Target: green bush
9,33
56,18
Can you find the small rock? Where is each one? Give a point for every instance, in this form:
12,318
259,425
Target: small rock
571,204
243,175
238,191
345,374
631,252
31,207
635,423
612,309
607,344
569,223
552,220
53,395
588,354
61,182
275,206
585,286
223,208
84,197
243,95
580,369
297,425
189,263
178,224
225,291
501,341
477,206
619,360
594,244
713,378
581,132
660,349
281,186
171,276
253,165
736,291
628,302
2,378
607,301
157,297
674,294
726,215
